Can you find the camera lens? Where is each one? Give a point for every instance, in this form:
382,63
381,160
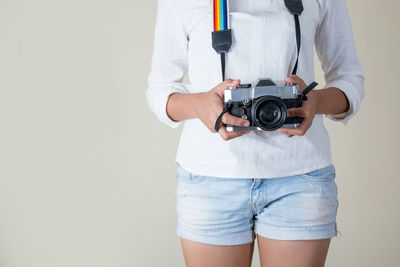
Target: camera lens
270,113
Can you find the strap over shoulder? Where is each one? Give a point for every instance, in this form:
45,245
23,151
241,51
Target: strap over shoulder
296,8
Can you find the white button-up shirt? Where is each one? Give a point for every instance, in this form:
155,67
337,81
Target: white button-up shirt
264,46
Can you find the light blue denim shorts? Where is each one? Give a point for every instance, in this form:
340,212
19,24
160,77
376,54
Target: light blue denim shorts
231,211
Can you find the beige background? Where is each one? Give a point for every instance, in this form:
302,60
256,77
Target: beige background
87,173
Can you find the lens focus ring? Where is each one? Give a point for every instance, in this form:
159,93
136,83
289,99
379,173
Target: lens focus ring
269,113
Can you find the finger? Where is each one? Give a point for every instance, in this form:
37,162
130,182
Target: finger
297,80
293,79
219,89
233,120
289,132
230,135
300,130
296,112
304,126
235,134
223,132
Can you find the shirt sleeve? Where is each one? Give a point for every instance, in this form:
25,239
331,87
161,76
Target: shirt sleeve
335,47
169,61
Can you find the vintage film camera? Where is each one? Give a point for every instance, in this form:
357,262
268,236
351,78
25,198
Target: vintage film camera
264,105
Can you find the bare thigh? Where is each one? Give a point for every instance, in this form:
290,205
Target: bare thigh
293,253
200,255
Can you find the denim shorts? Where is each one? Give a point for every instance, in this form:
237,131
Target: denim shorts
230,211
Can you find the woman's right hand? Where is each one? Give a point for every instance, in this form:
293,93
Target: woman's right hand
209,106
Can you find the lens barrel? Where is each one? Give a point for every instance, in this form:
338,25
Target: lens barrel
269,113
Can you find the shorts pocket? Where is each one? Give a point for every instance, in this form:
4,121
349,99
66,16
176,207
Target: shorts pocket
188,177
323,174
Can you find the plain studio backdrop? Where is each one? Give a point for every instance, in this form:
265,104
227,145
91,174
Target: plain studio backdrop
87,172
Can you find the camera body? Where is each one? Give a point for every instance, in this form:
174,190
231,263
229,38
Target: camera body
264,105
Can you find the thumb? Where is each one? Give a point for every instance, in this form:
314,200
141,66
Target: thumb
296,80
292,79
219,89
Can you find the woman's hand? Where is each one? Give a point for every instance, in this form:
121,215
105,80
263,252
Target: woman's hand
209,106
307,110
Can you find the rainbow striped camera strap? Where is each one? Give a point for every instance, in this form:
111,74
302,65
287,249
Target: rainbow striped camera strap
222,35
221,17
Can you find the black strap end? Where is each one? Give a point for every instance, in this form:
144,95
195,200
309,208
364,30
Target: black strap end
221,40
295,6
309,88
303,96
219,119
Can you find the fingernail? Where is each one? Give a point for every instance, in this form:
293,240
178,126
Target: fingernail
246,123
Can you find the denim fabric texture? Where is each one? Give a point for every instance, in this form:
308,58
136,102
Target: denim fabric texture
230,211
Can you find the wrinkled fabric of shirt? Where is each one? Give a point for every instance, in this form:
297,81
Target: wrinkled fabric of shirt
264,46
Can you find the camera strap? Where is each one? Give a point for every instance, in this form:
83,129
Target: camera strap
222,38
296,8
222,35
225,109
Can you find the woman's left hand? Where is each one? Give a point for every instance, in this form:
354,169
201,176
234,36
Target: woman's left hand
307,110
